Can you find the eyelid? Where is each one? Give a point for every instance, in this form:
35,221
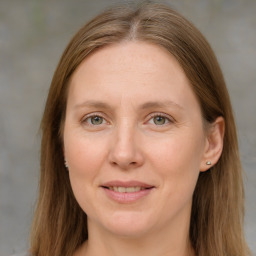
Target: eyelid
150,116
154,114
84,118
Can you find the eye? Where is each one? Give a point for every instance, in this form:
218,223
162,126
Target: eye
159,119
94,120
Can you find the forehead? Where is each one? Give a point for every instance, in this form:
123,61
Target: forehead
128,70
133,57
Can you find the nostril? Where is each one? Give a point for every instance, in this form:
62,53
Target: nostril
125,158
124,165
131,163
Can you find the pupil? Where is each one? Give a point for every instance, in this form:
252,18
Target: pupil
97,120
159,120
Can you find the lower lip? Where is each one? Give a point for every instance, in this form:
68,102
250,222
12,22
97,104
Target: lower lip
127,197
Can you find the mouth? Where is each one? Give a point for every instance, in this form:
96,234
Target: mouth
126,189
127,192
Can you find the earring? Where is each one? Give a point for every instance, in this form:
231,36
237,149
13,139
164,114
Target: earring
66,164
208,163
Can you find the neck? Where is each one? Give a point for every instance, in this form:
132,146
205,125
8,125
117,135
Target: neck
103,243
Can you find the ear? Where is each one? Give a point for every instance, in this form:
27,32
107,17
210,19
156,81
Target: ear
214,144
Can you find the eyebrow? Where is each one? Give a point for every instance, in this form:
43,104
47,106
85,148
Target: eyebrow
162,104
93,104
146,105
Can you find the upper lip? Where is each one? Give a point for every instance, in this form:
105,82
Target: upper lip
126,184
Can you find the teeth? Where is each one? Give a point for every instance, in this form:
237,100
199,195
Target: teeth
126,190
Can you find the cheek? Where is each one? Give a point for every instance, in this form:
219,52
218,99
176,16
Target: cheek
84,154
177,160
179,152
85,157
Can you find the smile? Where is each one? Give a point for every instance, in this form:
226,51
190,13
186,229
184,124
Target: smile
126,189
127,192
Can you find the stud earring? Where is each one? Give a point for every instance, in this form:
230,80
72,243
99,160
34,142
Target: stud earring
66,164
208,163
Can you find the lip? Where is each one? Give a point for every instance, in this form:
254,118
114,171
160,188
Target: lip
126,184
127,197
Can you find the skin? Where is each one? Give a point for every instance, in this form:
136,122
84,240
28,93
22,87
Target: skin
147,127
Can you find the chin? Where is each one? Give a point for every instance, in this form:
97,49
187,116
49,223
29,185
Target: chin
128,225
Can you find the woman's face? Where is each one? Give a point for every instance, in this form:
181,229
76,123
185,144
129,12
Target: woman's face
133,140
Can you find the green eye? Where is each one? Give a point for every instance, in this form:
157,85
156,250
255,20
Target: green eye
95,120
159,120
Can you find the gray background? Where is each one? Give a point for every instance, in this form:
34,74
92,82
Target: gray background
33,34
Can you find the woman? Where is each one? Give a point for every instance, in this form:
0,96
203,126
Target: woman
139,149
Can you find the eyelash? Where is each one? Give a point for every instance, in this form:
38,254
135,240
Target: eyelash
151,116
90,116
167,117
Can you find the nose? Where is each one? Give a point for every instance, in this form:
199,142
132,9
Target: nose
125,151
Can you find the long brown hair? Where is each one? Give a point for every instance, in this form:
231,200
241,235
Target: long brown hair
60,225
